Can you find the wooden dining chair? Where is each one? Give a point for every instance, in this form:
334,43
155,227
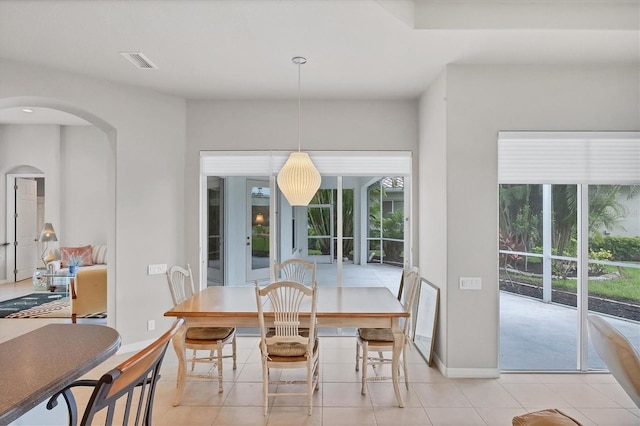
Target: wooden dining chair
211,339
286,345
380,340
298,270
123,395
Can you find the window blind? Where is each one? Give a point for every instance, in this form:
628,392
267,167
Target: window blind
328,163
569,157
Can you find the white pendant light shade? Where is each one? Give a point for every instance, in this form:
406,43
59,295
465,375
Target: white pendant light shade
299,179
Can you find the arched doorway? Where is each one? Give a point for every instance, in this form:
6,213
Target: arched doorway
108,136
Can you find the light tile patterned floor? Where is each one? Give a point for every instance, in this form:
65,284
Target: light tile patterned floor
594,399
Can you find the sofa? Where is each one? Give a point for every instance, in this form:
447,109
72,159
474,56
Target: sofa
88,290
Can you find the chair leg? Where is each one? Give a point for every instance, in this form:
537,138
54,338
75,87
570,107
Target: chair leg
365,356
219,366
317,373
357,355
233,347
406,368
193,360
265,385
310,376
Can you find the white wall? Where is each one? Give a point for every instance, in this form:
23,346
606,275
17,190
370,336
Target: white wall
84,153
146,178
432,184
264,125
482,100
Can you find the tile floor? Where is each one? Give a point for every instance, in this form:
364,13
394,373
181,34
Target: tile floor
432,399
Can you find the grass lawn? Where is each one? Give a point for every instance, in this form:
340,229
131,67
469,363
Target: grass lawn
623,288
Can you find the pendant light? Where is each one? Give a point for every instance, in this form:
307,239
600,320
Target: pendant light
299,179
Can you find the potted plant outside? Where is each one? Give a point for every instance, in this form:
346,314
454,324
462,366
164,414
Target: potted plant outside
74,263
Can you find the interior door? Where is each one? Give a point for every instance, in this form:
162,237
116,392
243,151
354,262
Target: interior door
258,220
215,230
26,194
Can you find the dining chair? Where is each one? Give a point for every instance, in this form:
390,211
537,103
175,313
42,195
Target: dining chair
298,270
123,395
212,339
380,340
285,345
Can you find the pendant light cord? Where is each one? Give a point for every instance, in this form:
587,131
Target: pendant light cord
299,64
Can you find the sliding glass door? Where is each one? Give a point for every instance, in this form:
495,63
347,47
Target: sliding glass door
566,250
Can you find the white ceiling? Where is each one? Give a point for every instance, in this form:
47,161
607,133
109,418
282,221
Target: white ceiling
357,49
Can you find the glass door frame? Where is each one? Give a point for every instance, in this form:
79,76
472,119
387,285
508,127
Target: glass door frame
218,273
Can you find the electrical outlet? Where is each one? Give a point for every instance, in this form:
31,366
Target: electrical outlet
467,283
160,268
151,325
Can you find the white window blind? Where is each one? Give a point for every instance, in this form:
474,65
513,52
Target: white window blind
569,157
328,163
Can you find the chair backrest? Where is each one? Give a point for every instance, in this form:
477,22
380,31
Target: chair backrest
618,354
286,301
410,282
402,278
134,379
298,270
180,283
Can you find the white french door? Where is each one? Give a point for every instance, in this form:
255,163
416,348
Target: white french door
257,230
26,220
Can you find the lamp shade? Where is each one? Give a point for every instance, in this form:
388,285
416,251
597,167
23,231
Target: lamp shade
299,179
47,233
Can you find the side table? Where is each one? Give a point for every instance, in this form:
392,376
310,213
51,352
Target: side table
45,280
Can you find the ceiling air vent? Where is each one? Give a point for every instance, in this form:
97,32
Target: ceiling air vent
139,60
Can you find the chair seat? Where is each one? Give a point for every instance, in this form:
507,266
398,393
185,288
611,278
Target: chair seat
209,333
289,352
376,334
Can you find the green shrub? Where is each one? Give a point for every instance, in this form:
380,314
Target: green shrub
621,248
602,254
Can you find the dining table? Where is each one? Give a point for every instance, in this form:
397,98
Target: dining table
37,364
339,307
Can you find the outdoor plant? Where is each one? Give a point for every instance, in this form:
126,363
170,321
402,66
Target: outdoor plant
595,268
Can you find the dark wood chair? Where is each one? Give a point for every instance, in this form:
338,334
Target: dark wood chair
125,394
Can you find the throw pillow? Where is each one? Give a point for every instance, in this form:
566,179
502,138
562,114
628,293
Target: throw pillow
84,252
99,254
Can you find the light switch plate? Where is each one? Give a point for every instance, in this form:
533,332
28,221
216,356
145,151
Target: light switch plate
470,283
160,268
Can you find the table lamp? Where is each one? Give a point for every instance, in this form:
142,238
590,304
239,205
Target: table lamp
47,234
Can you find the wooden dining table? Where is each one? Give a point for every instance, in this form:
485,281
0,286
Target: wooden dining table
341,307
35,365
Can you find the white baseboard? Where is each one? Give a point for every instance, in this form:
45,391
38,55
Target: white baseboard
134,347
466,373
